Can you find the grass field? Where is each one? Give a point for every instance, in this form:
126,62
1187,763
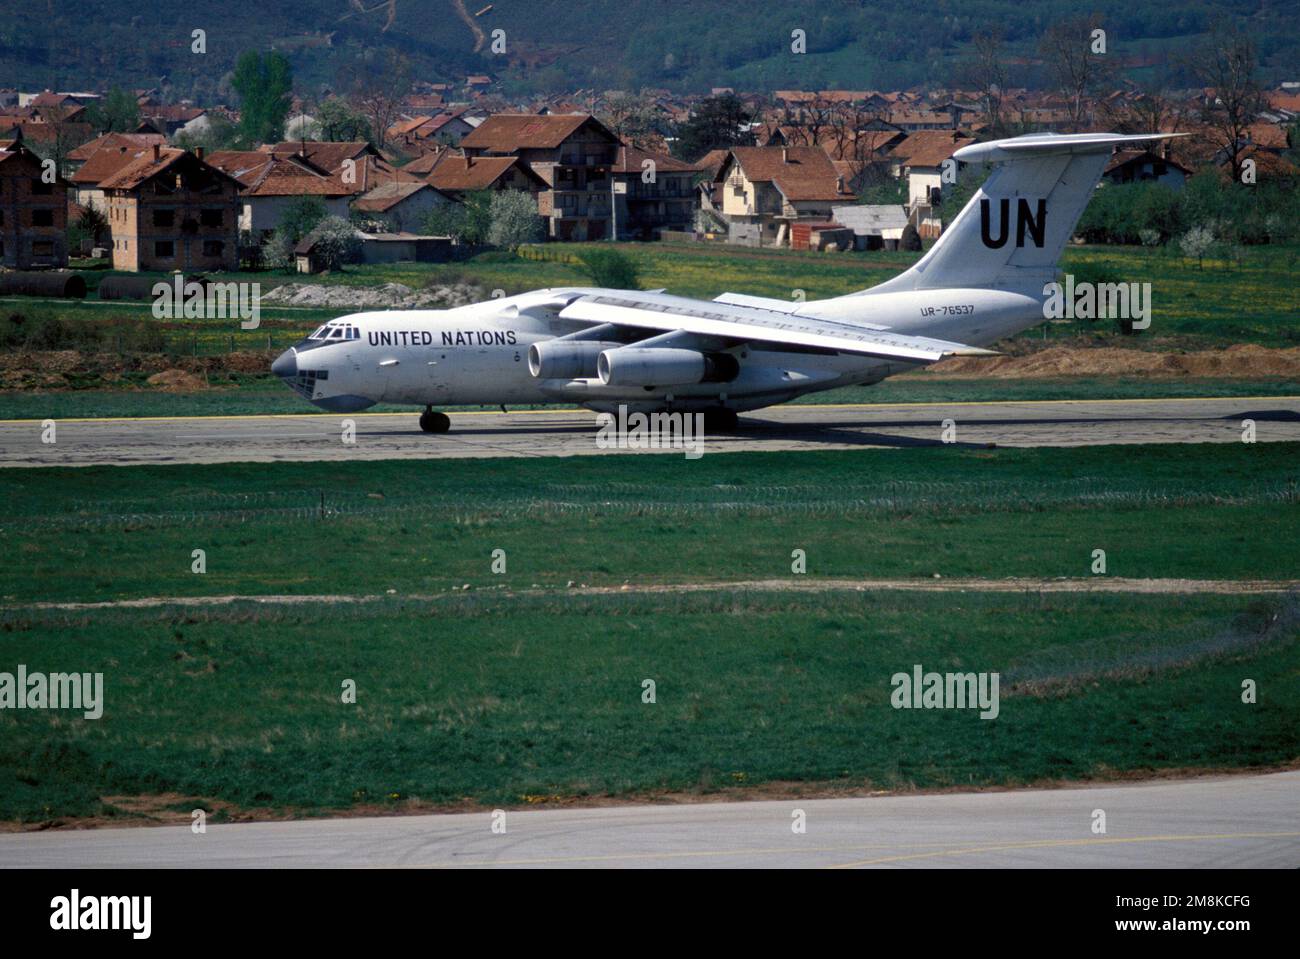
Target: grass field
495,701
508,695
1214,304
105,533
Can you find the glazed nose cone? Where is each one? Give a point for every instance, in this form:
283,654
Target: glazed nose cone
286,364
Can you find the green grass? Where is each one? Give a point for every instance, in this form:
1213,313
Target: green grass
500,697
1218,304
1215,511
495,701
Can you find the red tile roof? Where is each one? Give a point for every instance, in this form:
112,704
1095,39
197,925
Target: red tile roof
461,174
800,173
507,132
928,148
113,141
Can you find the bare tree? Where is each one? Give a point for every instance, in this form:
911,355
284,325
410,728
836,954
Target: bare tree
1226,65
378,95
632,117
1078,71
988,75
1146,111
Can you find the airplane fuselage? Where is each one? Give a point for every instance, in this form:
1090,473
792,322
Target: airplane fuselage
479,354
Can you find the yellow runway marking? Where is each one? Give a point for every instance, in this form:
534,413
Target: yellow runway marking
809,850
1057,843
571,411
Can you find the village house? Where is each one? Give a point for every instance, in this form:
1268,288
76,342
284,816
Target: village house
571,153
33,211
457,174
762,191
1143,166
420,133
921,158
271,183
170,210
401,206
652,192
95,161
356,164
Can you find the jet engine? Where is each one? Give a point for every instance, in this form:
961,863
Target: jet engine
565,359
668,366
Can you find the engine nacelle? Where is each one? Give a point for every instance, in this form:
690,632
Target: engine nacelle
667,366
566,359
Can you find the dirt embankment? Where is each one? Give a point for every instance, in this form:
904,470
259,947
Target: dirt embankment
70,369
1242,361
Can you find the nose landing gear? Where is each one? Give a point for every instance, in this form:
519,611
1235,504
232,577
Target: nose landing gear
434,422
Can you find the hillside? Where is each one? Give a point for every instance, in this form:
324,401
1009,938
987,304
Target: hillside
554,45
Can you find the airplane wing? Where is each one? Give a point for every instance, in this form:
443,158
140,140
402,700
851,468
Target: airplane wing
748,323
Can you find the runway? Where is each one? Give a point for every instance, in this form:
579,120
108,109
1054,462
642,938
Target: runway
1226,822
319,436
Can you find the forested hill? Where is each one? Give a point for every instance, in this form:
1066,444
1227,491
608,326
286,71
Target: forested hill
552,45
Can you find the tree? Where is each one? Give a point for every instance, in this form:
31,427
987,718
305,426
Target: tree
718,123
264,84
300,217
219,134
1077,70
338,121
514,220
1197,242
467,222
336,242
93,224
379,94
988,75
117,112
1226,64
631,117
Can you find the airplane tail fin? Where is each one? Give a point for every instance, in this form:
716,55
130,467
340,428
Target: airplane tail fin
1012,232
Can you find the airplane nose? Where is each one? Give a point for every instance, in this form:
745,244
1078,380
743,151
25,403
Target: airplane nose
286,364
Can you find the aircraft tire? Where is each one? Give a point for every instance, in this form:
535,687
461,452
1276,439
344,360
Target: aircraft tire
434,422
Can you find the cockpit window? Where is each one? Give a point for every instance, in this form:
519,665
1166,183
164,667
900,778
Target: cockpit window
336,331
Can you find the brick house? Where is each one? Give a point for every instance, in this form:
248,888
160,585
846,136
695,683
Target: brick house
652,192
95,161
272,183
33,213
456,174
571,153
169,210
762,191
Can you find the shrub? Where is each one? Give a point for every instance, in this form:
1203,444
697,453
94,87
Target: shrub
610,268
337,242
1197,242
514,220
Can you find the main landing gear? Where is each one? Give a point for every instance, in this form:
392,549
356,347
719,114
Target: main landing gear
720,420
434,422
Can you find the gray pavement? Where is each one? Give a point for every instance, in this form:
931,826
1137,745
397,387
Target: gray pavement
1225,821
572,432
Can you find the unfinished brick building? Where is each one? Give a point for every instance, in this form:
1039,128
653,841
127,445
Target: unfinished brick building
169,210
33,211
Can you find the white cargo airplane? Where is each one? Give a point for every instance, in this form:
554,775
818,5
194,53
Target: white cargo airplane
983,280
